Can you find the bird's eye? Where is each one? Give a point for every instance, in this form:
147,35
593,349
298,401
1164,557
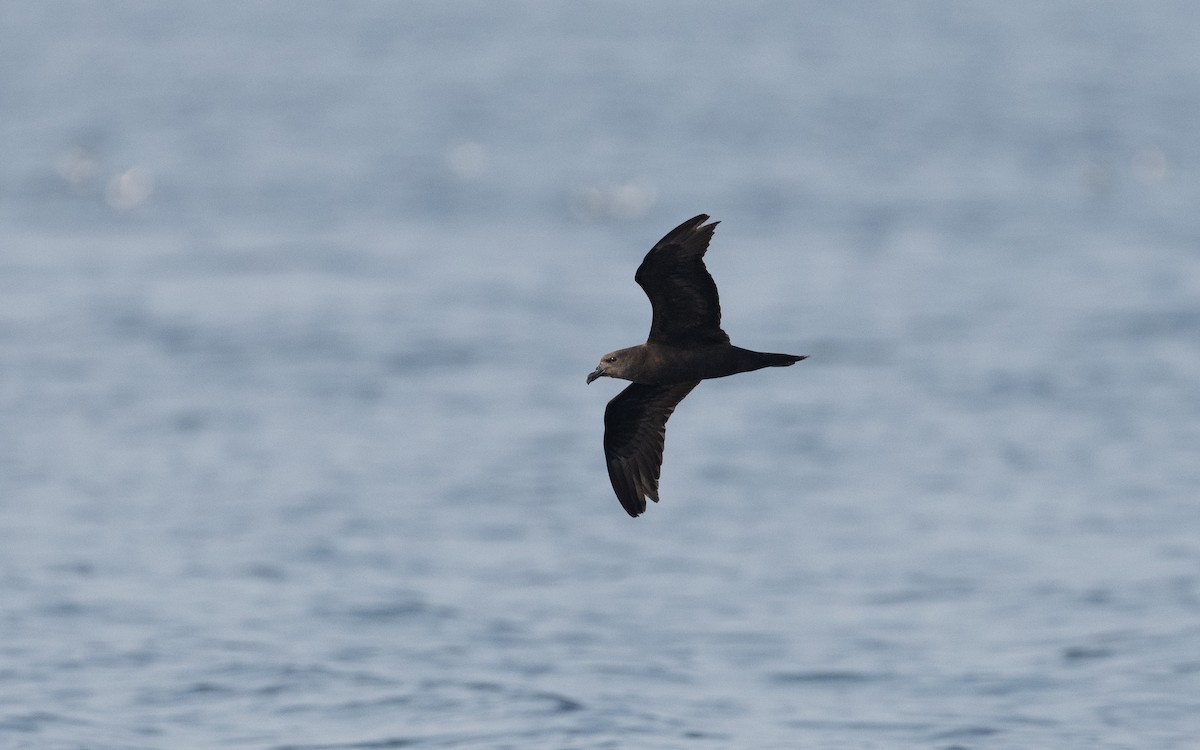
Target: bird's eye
610,359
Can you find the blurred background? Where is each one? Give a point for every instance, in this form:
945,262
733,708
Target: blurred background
297,301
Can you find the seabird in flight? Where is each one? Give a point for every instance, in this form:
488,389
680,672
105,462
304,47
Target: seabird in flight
686,345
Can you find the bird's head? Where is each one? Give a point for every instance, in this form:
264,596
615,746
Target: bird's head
618,364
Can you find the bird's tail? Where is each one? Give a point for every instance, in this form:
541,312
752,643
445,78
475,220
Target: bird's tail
746,360
779,360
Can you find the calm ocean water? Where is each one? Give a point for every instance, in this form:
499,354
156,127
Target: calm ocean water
296,305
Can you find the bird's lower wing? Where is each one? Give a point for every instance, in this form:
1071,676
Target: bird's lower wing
635,428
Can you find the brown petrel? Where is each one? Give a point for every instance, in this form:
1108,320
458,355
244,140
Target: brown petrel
686,345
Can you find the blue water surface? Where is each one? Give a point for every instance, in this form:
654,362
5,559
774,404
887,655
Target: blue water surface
297,301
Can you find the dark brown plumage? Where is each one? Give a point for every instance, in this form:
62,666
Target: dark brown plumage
686,345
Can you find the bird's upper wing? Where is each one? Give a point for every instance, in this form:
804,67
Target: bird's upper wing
635,428
681,291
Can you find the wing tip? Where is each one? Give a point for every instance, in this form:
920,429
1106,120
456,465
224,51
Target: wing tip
693,227
630,492
634,503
